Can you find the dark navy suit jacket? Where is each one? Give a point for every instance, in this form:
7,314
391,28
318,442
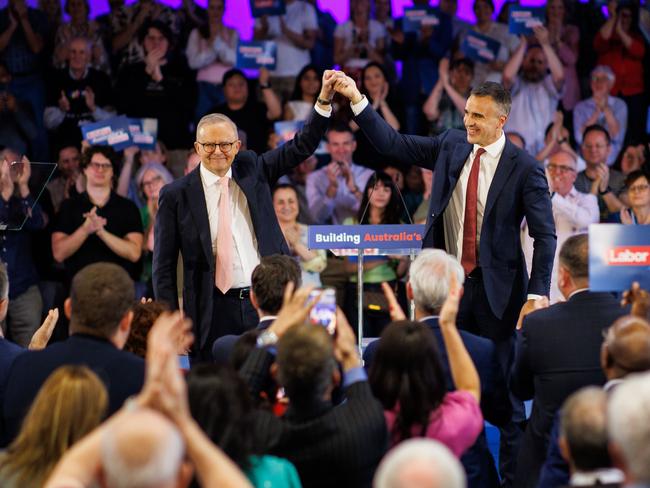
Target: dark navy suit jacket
495,404
557,353
222,347
121,372
519,189
8,354
182,223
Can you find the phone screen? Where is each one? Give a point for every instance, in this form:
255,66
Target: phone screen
324,312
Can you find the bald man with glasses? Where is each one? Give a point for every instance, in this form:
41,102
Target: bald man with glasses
220,218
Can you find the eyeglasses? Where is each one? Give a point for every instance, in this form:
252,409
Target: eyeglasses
560,169
211,147
100,166
153,181
589,147
638,188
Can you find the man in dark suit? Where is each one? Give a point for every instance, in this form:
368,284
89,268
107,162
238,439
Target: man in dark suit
221,239
330,446
100,321
484,187
558,352
428,286
268,282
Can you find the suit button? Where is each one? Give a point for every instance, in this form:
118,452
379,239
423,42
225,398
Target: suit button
433,215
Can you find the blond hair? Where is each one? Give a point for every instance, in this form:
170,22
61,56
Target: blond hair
70,404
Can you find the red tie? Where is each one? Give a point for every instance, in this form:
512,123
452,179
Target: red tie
468,259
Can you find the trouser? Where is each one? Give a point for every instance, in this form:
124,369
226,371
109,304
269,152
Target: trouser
475,315
232,313
24,316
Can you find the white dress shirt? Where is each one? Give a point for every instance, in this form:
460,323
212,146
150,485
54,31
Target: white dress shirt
454,214
572,214
246,256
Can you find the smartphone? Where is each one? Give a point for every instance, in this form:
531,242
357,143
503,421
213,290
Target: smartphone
324,312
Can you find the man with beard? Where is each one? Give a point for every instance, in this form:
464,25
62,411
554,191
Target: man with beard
535,93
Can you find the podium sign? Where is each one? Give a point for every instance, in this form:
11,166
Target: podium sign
364,240
378,239
618,255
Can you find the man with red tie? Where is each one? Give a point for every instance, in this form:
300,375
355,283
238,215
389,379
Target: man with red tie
483,187
220,218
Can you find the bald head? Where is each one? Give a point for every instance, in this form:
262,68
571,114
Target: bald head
626,348
142,449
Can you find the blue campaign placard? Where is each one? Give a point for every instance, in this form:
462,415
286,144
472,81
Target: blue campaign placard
110,132
384,237
523,19
141,135
256,54
618,255
416,17
479,47
267,7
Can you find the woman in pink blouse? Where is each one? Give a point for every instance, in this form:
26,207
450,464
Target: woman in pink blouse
565,39
406,375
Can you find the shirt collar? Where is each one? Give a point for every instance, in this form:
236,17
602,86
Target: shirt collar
209,178
596,477
495,149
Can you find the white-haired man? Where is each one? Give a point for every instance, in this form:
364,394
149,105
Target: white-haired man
428,287
628,426
420,462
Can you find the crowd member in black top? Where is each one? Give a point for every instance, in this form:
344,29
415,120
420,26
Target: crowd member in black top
98,225
77,94
329,445
245,111
158,87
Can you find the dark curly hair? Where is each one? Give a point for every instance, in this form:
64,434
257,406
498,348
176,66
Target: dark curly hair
144,315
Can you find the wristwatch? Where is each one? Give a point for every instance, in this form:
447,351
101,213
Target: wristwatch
267,338
607,190
323,101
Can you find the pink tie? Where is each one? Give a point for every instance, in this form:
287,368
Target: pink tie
224,257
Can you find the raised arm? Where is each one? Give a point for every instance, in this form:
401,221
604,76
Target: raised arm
514,63
399,148
463,371
554,63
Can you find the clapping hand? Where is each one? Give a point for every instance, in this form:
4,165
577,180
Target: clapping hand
639,299
44,332
394,309
295,308
93,223
449,310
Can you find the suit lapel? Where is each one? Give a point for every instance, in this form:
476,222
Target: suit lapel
458,159
243,182
196,198
504,168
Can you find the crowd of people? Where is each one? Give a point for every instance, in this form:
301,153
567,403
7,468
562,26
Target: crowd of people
286,402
